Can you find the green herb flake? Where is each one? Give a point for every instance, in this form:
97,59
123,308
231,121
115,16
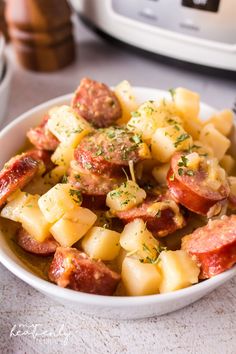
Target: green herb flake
180,171
64,179
190,172
135,114
76,193
88,165
183,162
177,127
99,152
180,139
145,247
137,139
172,92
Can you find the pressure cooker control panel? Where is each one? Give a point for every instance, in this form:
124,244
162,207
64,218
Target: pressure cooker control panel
207,19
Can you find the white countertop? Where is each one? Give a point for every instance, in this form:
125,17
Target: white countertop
207,327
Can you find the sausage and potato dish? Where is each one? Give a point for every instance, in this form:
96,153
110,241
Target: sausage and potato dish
113,197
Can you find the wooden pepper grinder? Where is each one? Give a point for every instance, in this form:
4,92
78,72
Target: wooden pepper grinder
41,32
3,24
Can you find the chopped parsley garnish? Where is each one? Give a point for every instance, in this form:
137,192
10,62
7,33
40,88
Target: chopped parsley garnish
196,146
172,92
88,165
190,172
152,259
180,171
64,179
158,214
111,134
136,138
181,138
99,152
172,177
76,193
135,114
176,127
183,162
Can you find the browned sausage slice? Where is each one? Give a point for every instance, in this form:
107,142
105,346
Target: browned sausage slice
162,216
75,270
213,246
41,137
191,188
90,183
106,151
96,103
29,244
16,173
42,155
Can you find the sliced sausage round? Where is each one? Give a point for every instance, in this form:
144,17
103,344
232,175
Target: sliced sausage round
106,151
42,155
29,244
191,188
95,102
41,137
90,183
213,246
16,173
75,270
162,216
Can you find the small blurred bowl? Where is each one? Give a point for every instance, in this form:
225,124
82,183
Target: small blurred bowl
5,84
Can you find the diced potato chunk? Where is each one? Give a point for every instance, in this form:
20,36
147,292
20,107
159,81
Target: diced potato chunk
55,175
58,200
222,121
166,141
216,175
217,141
120,258
67,125
140,278
193,160
63,155
127,100
136,239
178,270
228,164
72,226
101,243
125,197
33,220
15,205
144,120
187,102
202,149
152,115
193,127
160,173
24,209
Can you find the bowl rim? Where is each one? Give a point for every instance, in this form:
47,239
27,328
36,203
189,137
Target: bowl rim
7,73
93,299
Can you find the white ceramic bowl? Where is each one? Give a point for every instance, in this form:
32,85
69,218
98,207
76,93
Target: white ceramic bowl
5,83
12,137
